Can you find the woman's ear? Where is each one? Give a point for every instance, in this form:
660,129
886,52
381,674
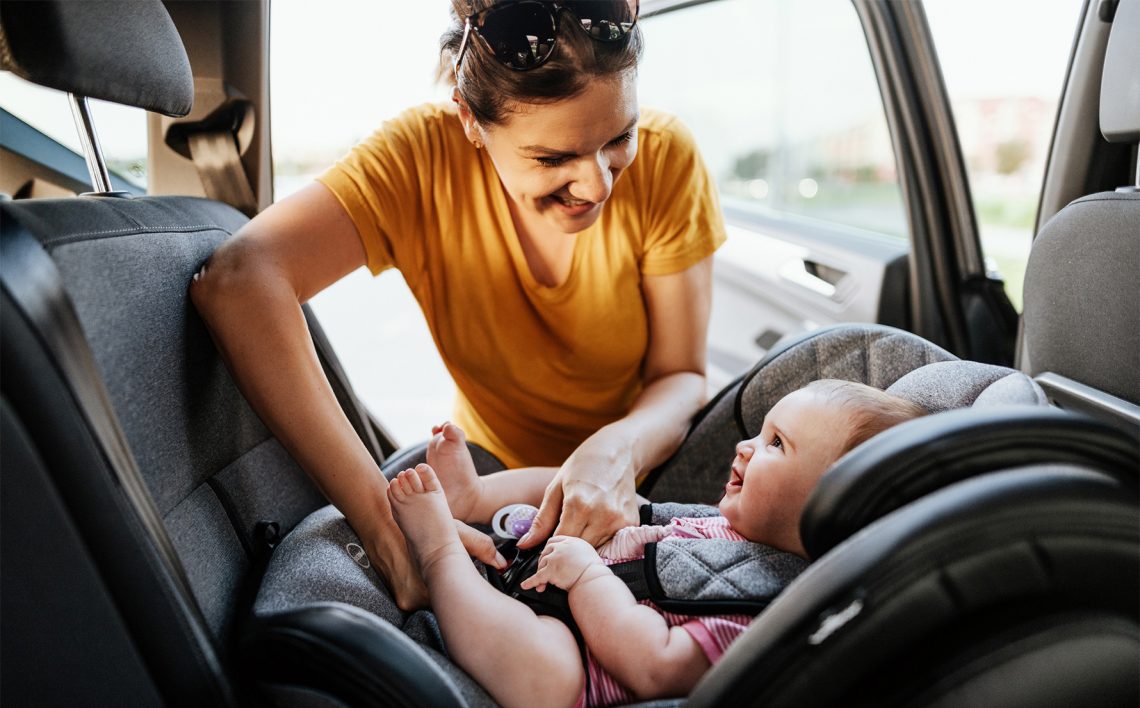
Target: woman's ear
470,126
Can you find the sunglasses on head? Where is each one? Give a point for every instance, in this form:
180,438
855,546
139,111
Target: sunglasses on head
521,33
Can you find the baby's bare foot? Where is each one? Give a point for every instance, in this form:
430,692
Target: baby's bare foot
448,455
420,508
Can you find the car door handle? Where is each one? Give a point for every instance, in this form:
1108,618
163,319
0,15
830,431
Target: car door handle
812,275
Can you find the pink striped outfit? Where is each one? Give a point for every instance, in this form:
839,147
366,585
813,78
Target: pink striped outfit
713,633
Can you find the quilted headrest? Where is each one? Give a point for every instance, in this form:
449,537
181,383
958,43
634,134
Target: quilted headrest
872,354
124,51
1120,82
957,384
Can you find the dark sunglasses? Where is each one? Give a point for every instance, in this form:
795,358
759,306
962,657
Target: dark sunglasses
521,33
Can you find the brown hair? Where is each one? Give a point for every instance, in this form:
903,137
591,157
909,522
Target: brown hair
490,88
871,411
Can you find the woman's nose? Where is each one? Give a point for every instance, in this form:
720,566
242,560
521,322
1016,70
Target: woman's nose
595,181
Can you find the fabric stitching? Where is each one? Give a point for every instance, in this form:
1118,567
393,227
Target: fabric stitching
134,231
714,577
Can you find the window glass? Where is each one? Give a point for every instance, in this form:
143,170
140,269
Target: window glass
337,74
782,98
1004,76
121,129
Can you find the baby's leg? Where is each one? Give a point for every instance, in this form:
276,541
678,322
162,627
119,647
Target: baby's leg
473,498
519,657
448,455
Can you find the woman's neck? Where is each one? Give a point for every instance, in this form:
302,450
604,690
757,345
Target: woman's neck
549,252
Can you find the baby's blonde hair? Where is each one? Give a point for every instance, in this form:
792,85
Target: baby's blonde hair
870,410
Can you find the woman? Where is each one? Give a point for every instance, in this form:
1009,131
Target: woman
566,284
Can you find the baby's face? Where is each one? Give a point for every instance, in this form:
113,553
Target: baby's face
774,472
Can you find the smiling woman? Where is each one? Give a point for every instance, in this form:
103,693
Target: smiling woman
558,242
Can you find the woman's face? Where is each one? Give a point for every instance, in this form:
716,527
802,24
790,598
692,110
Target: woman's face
559,161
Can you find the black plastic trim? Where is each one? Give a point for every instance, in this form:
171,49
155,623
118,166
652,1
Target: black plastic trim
348,652
916,458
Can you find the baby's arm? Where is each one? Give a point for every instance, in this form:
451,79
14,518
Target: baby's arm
632,641
524,485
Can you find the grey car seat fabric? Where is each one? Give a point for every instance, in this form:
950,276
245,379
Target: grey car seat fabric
1092,246
322,561
218,485
715,576
216,479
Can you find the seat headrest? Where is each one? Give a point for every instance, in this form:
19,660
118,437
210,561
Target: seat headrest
1082,295
946,385
124,51
1120,81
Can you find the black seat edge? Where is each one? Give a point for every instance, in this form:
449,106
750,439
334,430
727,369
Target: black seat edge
351,653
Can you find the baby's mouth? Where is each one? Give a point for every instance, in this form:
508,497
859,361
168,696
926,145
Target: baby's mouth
735,479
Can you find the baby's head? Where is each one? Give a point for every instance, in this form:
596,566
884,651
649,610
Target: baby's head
805,432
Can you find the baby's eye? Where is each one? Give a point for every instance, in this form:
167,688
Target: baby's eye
776,442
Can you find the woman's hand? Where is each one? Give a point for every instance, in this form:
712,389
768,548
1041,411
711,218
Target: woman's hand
592,496
480,546
564,562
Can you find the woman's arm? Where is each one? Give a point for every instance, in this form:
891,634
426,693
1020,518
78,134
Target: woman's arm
632,641
594,493
250,294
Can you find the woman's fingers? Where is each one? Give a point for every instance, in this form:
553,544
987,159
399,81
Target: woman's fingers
546,518
480,546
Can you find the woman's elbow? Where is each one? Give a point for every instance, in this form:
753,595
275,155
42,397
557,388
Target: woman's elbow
226,278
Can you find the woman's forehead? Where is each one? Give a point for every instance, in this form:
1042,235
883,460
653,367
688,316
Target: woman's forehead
603,110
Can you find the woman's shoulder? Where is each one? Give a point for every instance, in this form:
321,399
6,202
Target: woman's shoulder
423,120
662,139
656,126
427,137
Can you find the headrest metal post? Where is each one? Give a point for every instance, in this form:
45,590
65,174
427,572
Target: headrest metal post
96,165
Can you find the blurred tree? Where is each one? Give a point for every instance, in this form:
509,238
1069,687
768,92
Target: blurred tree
752,165
1011,155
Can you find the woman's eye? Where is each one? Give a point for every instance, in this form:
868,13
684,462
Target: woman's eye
551,161
623,138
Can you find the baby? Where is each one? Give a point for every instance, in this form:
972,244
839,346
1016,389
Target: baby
634,650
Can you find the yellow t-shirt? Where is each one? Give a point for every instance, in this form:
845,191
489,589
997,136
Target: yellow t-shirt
538,369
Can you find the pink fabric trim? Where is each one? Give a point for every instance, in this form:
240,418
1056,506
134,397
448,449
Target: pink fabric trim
704,639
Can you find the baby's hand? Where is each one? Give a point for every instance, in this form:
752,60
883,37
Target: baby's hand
563,563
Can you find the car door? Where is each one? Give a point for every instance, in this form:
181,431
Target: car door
827,127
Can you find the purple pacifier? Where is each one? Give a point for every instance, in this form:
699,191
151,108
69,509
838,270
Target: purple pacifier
513,520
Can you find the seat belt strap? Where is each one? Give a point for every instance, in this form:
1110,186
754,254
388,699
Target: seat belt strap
632,573
215,154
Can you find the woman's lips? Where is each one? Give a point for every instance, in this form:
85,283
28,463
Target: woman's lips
571,207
